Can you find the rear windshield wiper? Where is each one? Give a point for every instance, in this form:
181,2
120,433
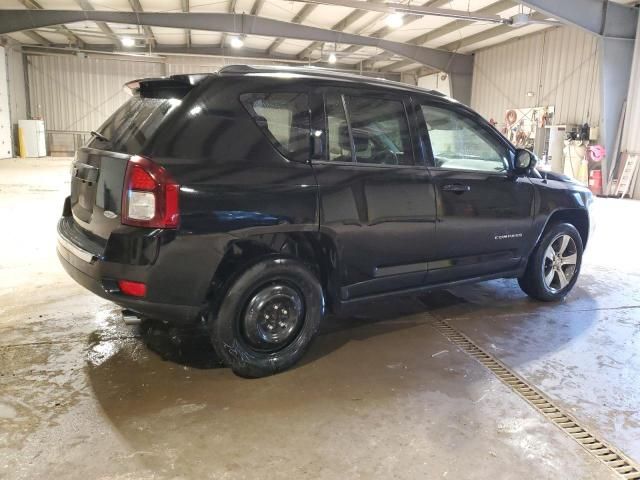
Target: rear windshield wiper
99,136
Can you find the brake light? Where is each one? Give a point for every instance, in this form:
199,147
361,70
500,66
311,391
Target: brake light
150,196
133,289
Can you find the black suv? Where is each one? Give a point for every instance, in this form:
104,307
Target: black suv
257,198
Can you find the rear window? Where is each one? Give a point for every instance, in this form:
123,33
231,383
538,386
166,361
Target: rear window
131,126
284,118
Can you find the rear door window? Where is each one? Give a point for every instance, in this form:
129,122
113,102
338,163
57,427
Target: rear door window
285,120
368,130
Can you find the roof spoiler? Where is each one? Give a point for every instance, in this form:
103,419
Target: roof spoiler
175,86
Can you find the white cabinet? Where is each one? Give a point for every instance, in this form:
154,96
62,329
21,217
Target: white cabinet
32,138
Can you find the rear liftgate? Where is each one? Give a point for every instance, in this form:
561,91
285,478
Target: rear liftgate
613,459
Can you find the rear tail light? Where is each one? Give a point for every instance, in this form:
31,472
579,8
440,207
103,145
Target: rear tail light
150,196
133,289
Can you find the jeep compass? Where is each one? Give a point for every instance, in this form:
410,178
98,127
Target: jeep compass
257,199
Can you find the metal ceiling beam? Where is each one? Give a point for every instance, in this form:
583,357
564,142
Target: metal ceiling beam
187,33
396,65
451,27
140,54
421,10
257,7
104,28
341,26
232,10
33,5
488,34
600,17
407,19
16,20
300,17
204,50
36,37
148,33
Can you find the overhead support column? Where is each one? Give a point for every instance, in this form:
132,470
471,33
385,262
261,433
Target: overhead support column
616,57
601,17
461,85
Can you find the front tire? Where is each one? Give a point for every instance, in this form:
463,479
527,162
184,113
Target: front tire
554,265
267,318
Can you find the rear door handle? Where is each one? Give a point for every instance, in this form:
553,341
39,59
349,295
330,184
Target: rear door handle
456,188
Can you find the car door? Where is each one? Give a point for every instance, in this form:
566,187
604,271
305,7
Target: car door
484,210
377,201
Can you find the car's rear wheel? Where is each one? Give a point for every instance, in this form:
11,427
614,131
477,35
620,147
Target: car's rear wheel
554,265
268,317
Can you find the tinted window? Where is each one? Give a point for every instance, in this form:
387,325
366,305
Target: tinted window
338,130
284,117
459,142
372,130
133,124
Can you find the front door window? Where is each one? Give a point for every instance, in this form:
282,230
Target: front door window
458,142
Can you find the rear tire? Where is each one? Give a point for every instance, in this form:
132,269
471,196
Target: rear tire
267,318
554,265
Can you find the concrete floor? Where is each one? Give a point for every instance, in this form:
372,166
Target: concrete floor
381,395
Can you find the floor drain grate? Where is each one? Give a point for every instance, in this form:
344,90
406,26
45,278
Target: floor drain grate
615,460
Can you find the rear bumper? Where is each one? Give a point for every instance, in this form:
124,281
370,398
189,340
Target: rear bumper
91,271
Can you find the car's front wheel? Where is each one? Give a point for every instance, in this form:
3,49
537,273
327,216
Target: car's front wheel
554,265
268,317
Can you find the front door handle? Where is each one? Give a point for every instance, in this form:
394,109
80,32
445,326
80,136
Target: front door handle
456,188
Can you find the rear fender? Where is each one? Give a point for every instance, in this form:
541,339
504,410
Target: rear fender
316,251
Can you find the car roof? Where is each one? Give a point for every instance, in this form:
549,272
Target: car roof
322,73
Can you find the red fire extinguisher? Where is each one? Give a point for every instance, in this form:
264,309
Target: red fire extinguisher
595,182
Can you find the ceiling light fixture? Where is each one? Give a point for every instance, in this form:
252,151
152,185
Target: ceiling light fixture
127,41
332,58
520,20
394,20
236,42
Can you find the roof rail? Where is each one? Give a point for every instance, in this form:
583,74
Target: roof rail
312,71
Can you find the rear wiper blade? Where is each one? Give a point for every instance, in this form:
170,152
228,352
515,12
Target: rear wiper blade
99,136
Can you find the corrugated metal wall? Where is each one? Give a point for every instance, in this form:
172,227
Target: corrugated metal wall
193,64
559,66
17,91
73,93
77,94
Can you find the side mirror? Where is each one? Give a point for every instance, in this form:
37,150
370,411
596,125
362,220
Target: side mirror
525,160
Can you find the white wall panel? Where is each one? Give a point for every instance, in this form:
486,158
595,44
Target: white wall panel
17,90
559,65
72,93
6,147
194,64
188,64
435,82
